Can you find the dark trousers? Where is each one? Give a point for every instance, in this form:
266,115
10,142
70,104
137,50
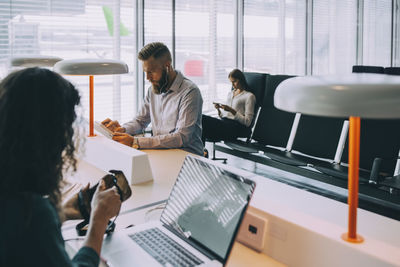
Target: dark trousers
217,129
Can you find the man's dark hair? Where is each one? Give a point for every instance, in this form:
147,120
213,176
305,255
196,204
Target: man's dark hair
156,49
37,110
238,74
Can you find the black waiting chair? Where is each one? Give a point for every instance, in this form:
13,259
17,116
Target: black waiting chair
256,82
316,139
272,127
379,147
367,69
392,70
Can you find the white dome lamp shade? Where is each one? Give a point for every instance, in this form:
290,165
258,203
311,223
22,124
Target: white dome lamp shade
91,67
34,61
373,96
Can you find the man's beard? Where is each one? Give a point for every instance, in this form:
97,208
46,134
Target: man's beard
162,83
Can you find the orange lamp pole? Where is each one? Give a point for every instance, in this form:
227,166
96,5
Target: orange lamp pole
354,162
91,104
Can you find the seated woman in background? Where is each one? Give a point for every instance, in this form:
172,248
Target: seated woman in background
235,117
37,110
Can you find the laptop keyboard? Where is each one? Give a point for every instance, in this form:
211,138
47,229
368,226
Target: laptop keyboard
164,249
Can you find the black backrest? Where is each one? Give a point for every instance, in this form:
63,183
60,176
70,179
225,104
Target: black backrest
318,136
392,70
378,139
256,82
273,125
367,69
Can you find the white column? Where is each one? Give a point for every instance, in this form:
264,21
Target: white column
117,55
212,37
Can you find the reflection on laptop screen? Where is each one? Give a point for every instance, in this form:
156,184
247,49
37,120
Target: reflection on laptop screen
206,204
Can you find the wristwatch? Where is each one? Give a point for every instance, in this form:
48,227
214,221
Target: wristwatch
135,143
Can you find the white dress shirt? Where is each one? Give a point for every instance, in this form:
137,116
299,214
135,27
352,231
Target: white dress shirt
175,117
243,103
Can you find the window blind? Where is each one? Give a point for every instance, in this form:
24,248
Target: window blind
274,36
377,31
334,36
205,46
71,30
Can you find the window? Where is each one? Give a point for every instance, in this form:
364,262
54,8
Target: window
157,25
334,36
396,35
274,36
377,32
205,48
274,40
70,30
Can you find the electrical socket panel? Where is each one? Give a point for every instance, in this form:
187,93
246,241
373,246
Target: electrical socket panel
252,231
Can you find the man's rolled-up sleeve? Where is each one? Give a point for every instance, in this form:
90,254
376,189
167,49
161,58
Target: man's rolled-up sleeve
141,121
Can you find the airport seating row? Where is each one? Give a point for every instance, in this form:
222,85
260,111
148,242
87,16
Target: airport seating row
316,146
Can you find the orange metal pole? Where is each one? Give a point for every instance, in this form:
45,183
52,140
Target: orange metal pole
91,106
354,162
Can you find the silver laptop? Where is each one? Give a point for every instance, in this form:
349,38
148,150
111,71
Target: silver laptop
198,225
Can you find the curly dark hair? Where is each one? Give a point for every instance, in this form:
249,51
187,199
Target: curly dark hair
37,110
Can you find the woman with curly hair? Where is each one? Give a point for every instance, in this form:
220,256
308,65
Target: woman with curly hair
37,110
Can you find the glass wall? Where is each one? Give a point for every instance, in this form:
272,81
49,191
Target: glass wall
71,30
334,38
202,36
274,36
396,36
157,25
377,31
205,45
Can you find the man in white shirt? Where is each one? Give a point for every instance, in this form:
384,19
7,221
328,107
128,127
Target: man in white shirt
173,105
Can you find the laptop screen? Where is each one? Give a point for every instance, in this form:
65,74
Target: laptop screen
207,204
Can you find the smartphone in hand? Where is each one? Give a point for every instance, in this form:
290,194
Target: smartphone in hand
217,104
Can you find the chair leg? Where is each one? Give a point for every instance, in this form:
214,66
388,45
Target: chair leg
215,158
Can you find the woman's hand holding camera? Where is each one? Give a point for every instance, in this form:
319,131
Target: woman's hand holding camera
105,203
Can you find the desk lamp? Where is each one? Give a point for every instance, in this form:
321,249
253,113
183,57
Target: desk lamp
102,152
91,67
374,96
34,61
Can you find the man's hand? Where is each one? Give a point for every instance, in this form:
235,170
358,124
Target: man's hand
123,138
113,125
